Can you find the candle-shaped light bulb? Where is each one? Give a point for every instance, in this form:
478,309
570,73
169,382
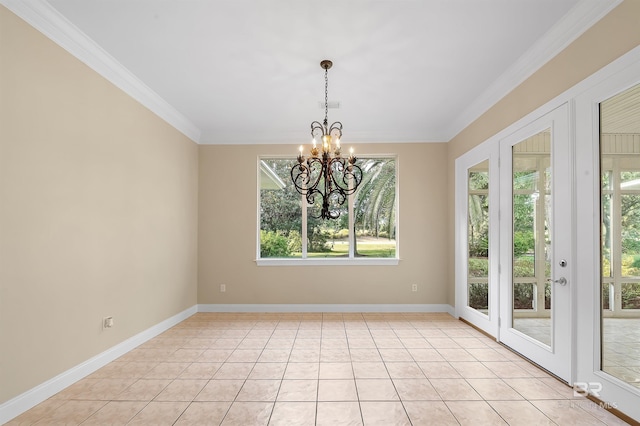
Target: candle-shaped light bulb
351,151
300,149
314,142
338,143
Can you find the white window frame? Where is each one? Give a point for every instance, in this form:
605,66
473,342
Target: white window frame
351,260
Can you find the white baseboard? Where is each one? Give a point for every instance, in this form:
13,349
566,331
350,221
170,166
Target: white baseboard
23,402
268,307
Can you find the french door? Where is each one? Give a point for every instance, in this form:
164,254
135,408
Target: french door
535,242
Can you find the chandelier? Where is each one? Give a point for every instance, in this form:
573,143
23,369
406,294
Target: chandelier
326,175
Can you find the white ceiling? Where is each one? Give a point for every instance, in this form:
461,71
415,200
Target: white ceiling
247,71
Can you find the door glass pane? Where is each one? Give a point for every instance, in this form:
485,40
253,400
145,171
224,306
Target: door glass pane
620,235
478,237
532,212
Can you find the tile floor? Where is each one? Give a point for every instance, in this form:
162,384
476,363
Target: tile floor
318,369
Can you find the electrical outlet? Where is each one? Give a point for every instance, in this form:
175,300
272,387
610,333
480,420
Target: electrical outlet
414,287
107,322
223,288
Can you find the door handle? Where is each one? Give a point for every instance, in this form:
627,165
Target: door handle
561,281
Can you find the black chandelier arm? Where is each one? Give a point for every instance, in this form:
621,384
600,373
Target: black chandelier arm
303,173
336,130
315,126
345,176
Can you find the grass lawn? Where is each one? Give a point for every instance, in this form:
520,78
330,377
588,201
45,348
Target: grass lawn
369,247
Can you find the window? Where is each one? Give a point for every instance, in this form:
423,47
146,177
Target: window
290,229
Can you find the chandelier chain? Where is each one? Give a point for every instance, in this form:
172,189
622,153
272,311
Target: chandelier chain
326,96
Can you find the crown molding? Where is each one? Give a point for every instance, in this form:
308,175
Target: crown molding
578,20
44,18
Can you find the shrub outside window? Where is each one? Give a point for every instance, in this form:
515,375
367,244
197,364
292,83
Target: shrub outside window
289,228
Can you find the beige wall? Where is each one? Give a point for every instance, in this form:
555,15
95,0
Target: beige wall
610,38
228,223
98,212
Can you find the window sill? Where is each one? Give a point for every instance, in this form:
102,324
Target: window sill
328,262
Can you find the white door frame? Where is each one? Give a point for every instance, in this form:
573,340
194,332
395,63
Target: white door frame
556,357
486,151
614,78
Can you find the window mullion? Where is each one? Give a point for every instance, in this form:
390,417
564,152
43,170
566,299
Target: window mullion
352,230
303,229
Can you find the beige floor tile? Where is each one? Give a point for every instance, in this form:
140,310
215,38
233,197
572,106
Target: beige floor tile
455,389
365,355
233,371
203,413
384,414
520,413
439,370
376,390
293,414
407,333
302,370
259,390
319,369
245,355
395,355
200,370
370,370
415,342
472,370
335,355
115,413
181,390
428,413
338,413
486,354
280,344
442,342
336,370
305,355
455,354
426,355
44,409
220,390
475,413
275,355
167,370
253,343
268,370
334,343
494,390
298,390
215,355
159,413
185,355
248,413
228,343
415,390
506,369
337,390
143,390
566,411
470,342
361,343
532,389
387,343
106,389
308,344
404,370
72,412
